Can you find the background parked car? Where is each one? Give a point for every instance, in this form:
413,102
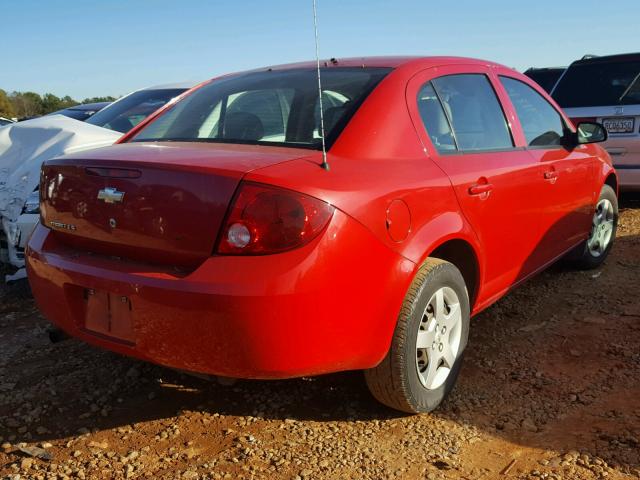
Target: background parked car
5,121
82,112
26,145
124,114
607,90
545,77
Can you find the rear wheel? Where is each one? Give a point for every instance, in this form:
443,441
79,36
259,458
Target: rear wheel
593,252
425,356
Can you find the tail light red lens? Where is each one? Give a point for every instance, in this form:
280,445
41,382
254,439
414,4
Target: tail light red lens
265,219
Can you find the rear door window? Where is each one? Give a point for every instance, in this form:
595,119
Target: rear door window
474,112
542,124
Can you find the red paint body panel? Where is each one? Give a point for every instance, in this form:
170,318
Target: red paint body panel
176,187
297,317
331,304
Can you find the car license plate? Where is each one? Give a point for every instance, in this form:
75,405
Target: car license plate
108,314
619,125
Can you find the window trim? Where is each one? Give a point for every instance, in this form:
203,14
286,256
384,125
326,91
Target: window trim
458,151
565,127
485,150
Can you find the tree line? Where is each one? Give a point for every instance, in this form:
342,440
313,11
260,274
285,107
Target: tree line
30,104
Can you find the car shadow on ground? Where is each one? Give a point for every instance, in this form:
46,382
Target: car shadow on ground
554,365
630,200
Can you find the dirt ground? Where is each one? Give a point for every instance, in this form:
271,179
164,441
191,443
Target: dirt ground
550,389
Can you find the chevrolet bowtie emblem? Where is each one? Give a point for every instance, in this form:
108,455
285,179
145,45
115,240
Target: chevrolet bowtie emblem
110,195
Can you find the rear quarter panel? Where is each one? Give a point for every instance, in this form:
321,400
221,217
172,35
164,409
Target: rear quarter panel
377,160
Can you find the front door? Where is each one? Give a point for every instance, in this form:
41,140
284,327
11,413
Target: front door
567,197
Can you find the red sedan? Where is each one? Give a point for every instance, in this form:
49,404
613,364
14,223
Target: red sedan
211,240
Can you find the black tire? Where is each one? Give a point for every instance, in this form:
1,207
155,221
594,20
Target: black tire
396,382
582,257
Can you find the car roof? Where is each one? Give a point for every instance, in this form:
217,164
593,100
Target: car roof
544,69
167,86
385,61
622,57
89,106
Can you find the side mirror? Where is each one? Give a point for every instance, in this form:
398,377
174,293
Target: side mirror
590,132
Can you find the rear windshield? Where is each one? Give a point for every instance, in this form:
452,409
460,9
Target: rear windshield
129,111
545,77
597,84
270,107
81,115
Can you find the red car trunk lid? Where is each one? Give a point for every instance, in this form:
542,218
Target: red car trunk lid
158,203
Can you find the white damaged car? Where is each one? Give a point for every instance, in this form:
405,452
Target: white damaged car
24,146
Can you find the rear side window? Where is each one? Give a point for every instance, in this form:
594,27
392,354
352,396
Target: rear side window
599,83
542,124
435,120
474,112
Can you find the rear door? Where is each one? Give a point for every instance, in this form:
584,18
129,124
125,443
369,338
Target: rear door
568,191
464,129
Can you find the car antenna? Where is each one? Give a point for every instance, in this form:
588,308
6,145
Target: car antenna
325,164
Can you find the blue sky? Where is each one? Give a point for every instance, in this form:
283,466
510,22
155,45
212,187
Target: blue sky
95,47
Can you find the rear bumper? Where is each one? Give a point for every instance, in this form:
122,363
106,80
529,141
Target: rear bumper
329,306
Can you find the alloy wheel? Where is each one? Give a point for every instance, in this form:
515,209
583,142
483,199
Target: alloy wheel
439,335
601,228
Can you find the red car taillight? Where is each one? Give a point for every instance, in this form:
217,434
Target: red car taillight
265,219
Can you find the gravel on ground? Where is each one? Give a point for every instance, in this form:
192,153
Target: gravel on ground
550,389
